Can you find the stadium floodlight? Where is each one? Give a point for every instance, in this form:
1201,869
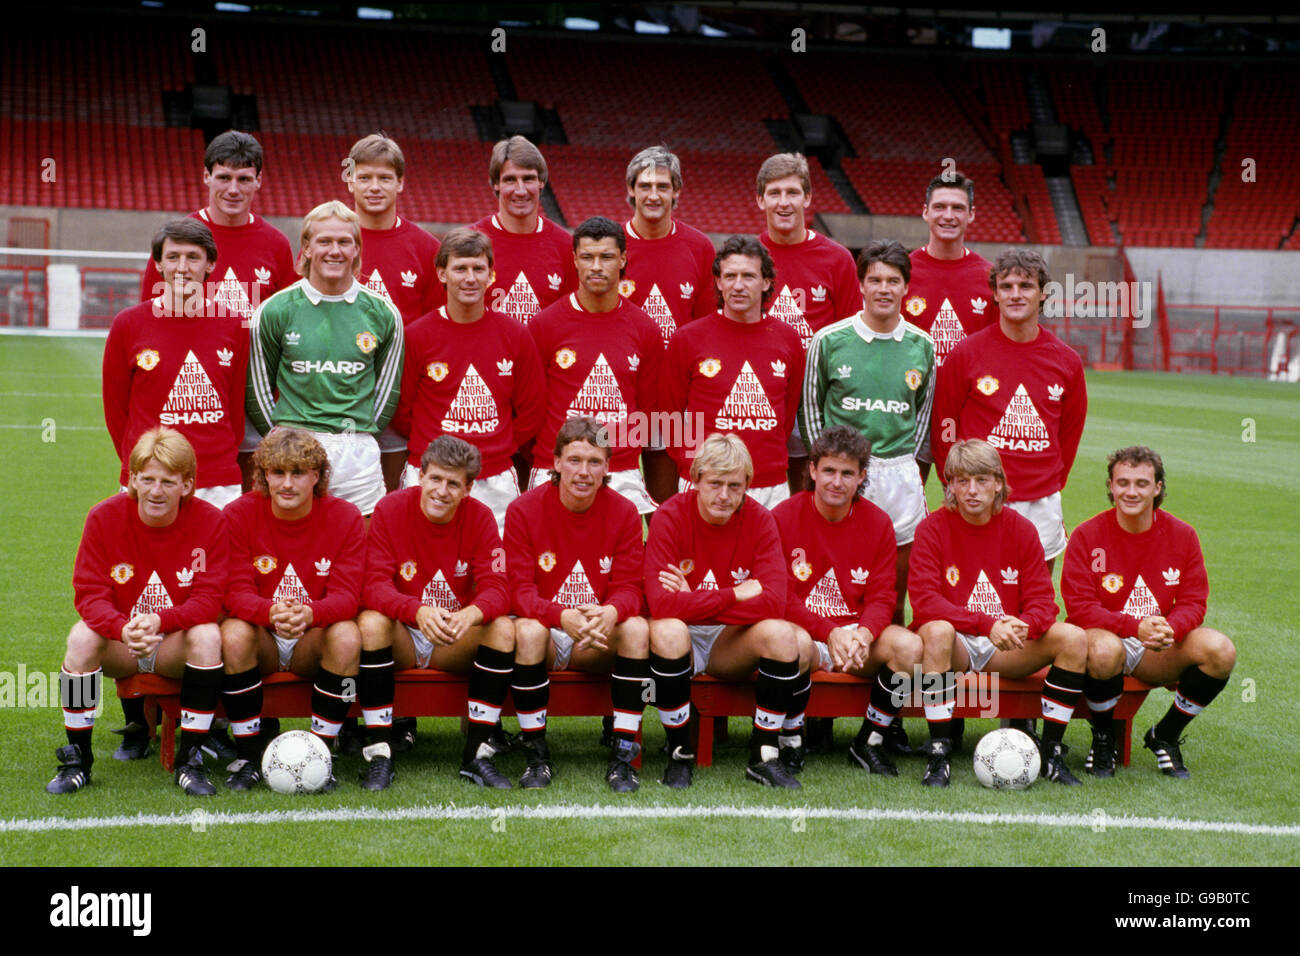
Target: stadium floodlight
374,13
646,26
232,8
990,38
580,23
708,31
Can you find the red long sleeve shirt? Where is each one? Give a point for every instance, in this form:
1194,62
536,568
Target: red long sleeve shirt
319,559
949,298
715,559
838,572
124,567
398,264
532,269
970,575
480,381
1113,579
187,372
603,365
253,261
816,284
558,559
671,278
738,378
412,561
1026,399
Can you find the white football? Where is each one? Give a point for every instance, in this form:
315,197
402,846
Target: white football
296,762
1006,759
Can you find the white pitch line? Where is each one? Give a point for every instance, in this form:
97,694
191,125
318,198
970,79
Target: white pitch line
614,812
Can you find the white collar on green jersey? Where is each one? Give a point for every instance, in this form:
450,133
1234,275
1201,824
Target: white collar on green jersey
317,296
860,326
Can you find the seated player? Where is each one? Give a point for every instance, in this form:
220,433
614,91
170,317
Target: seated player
147,585
840,591
573,560
297,556
1143,608
983,601
716,588
435,595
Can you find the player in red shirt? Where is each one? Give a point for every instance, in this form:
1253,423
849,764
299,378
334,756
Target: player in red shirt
471,372
148,580
398,256
715,583
534,255
435,595
1020,388
983,601
297,556
840,593
1143,606
601,355
669,272
573,560
737,371
179,361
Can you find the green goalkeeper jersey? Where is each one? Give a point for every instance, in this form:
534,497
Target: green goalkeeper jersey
335,361
879,385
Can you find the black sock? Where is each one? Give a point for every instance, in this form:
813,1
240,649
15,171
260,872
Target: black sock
1101,695
939,698
792,726
375,688
1061,690
772,691
200,691
672,677
1195,691
133,710
488,682
328,705
531,688
79,696
628,693
884,704
242,696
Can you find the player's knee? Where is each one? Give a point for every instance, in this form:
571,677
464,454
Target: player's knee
906,648
1071,645
1105,654
343,645
530,639
84,647
777,640
937,637
634,638
501,635
203,644
376,630
807,653
1218,653
669,638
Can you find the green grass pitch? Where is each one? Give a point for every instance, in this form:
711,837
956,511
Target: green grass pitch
1233,462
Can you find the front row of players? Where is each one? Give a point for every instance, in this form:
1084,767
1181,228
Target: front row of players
290,579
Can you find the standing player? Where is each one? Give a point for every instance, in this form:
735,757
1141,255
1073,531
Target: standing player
669,270
435,595
573,560
815,281
716,589
601,355
297,556
534,255
327,356
737,371
399,256
178,361
841,555
1021,389
1144,610
982,600
148,580
473,373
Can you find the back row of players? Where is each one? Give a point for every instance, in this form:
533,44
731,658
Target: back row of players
330,357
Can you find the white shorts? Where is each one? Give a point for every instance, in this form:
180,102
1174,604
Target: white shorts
703,637
629,483
1045,513
355,475
978,648
1133,651
146,664
389,440
496,492
563,648
824,662
252,437
423,646
768,497
219,495
894,486
285,646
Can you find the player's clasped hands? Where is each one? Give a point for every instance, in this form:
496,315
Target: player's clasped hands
1009,633
441,626
849,647
1155,633
291,618
141,634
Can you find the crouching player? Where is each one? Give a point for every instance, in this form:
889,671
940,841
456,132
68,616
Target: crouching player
435,595
1142,607
841,556
716,587
983,601
297,556
573,561
147,583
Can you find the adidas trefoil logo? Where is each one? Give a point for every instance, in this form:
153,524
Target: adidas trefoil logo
323,567
740,574
633,362
978,305
1010,575
859,575
462,568
1054,392
263,275
506,367
554,281
778,368
224,356
291,338
819,293
408,279
845,371
606,563
1172,575
185,577
688,290
476,711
